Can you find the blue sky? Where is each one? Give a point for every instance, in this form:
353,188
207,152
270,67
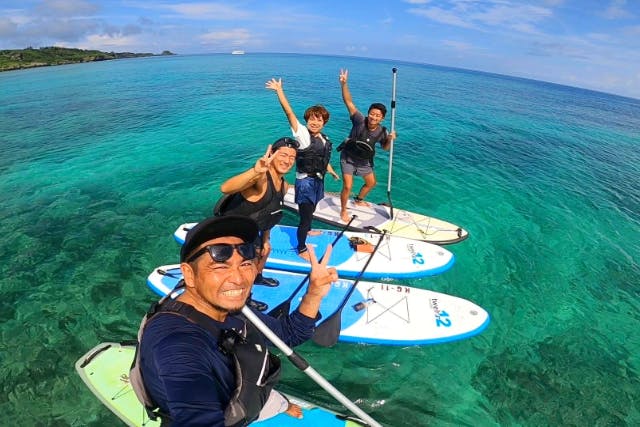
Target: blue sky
593,44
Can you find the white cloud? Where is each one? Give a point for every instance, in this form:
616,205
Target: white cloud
484,15
601,37
633,31
215,11
66,8
457,45
616,10
443,16
7,27
108,42
512,15
235,36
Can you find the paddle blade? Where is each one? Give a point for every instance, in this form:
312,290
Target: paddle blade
327,332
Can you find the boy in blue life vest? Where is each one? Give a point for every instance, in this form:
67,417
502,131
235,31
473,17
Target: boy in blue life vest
358,150
312,162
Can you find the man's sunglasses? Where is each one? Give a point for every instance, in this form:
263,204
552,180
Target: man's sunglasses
220,252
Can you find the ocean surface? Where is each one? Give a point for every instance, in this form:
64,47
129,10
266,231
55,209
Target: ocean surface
100,162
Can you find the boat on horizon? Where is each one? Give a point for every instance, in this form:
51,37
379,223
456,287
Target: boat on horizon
237,52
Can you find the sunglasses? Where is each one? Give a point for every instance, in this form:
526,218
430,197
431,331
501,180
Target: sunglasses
220,252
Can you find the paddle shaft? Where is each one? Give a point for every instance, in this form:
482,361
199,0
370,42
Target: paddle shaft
283,308
393,128
300,363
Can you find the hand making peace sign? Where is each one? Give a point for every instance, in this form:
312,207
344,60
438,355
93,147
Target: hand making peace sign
321,276
262,164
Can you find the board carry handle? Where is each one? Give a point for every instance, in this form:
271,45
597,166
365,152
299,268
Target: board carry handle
327,332
166,273
284,307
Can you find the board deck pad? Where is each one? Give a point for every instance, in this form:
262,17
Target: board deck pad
389,314
105,371
403,224
396,257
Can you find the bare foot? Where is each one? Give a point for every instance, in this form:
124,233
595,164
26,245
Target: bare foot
304,255
314,233
361,203
294,411
344,216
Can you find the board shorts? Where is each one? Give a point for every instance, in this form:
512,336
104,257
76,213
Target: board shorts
309,190
355,167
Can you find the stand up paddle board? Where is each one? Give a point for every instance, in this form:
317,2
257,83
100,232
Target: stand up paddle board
105,370
403,224
376,313
396,257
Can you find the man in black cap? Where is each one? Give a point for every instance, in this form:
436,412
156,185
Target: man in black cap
189,372
259,194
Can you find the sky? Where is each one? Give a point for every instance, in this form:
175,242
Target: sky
592,44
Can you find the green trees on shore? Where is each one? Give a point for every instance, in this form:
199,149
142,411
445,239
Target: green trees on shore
45,56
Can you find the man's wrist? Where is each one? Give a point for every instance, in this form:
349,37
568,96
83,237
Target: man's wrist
312,298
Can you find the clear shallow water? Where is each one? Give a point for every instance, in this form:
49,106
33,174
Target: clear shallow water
101,162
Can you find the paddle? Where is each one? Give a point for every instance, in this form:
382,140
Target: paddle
284,307
327,332
393,126
300,363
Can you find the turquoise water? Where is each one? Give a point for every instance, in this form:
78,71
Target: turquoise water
101,162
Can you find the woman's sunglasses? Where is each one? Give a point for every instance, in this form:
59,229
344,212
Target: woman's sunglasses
220,252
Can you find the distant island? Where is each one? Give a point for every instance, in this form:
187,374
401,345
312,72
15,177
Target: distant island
46,56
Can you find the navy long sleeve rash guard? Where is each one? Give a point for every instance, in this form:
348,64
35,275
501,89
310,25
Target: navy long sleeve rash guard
186,374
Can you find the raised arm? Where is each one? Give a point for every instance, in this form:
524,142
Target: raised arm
320,281
346,94
254,177
276,85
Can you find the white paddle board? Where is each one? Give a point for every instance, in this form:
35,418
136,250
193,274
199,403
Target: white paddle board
403,224
376,313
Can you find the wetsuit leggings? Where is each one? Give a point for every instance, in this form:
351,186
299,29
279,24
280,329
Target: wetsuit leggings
305,210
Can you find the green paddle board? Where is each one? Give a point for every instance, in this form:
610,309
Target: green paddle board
105,370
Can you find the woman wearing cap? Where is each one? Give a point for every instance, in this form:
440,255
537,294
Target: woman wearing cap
259,194
312,162
358,150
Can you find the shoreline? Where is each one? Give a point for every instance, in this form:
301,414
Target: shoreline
22,59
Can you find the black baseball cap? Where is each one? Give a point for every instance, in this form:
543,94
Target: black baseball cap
218,226
285,142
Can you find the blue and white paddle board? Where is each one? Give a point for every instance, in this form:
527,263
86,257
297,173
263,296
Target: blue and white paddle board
396,257
105,371
388,314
